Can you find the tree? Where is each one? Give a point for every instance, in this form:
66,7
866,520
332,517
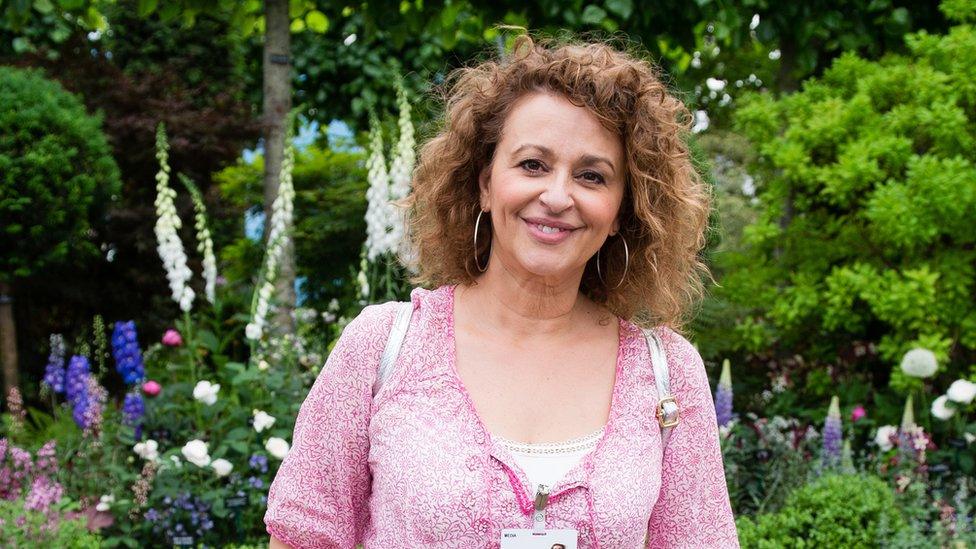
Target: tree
57,176
881,158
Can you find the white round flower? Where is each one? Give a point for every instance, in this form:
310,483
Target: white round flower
147,450
715,85
919,363
277,447
222,467
962,391
206,392
970,438
105,503
263,365
262,420
941,408
196,453
252,331
884,436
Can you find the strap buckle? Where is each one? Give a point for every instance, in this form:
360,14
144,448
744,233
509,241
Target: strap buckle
664,418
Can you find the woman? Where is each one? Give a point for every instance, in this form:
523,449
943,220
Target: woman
557,205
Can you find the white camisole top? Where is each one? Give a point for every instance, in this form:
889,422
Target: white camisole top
548,462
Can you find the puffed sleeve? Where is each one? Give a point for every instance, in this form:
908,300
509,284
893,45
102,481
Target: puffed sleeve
319,496
693,508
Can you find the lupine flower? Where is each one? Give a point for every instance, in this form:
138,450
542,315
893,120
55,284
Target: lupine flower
168,224
858,413
832,434
172,338
54,372
128,355
133,410
281,221
919,363
204,242
723,395
151,388
941,408
962,391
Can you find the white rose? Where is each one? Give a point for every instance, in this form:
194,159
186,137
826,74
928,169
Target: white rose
262,420
147,450
941,408
222,467
919,363
206,392
196,453
277,447
962,391
883,438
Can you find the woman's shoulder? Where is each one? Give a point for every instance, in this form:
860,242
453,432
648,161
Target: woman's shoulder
377,319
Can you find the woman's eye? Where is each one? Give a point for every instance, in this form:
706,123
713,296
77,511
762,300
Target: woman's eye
593,177
531,165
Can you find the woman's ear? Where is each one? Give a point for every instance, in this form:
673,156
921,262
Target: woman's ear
484,187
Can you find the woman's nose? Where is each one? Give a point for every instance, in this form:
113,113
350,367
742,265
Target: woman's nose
556,196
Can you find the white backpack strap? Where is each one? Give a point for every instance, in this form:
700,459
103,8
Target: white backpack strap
397,334
666,410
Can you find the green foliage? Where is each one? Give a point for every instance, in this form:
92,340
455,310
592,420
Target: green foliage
330,205
56,174
23,528
867,185
835,511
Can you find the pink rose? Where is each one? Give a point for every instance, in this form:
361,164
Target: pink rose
151,388
172,338
857,413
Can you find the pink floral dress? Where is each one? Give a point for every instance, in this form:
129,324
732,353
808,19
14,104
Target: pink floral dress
415,467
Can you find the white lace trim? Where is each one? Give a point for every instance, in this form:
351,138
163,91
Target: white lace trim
579,444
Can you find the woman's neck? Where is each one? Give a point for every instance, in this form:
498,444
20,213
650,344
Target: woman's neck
523,305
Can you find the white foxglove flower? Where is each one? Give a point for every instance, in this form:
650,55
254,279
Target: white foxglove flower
262,420
919,363
884,436
962,391
378,208
206,392
222,467
148,450
204,241
942,409
282,212
196,452
168,224
277,447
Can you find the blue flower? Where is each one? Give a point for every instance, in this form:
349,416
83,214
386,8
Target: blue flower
133,410
832,435
259,462
76,380
128,355
723,396
54,372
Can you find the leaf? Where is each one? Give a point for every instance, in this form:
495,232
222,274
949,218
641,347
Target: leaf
146,7
622,8
43,6
297,25
317,21
209,341
593,15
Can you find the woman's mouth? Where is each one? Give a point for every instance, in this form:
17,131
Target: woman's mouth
547,234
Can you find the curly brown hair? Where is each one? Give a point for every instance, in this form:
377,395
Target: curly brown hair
665,208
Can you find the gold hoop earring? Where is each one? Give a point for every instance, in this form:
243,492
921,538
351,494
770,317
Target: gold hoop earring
599,274
477,264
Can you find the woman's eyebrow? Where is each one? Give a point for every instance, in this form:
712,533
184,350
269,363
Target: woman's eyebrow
585,159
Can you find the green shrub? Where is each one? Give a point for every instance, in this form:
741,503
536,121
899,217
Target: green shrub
56,174
22,528
836,511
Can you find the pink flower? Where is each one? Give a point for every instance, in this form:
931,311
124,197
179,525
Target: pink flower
172,338
857,413
151,388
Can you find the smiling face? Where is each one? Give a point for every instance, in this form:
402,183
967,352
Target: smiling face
554,188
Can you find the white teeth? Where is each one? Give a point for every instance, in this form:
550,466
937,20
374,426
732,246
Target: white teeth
548,230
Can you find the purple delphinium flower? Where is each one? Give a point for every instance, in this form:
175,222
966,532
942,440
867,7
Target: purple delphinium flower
832,435
723,396
133,409
76,380
128,355
54,372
